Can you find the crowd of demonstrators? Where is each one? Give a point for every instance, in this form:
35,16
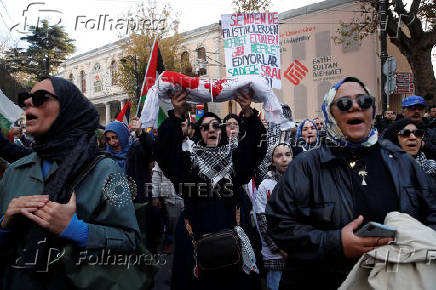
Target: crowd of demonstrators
327,193
413,109
405,134
78,185
47,201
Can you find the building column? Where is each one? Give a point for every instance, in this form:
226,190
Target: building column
123,102
108,112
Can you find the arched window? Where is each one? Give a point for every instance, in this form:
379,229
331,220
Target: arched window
185,59
113,72
83,81
201,61
201,53
97,84
70,77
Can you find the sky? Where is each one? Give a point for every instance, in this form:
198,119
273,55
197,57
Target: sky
75,14
78,16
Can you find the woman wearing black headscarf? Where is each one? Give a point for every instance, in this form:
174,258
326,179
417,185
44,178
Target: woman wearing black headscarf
405,134
47,201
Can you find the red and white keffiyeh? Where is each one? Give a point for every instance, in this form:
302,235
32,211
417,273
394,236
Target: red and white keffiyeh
203,90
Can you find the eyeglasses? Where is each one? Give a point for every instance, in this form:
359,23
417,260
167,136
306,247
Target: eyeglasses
114,137
345,103
415,107
38,98
232,124
206,126
419,133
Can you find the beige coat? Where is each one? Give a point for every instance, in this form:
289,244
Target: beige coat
407,263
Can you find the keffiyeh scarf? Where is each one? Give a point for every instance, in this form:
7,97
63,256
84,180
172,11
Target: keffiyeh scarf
429,166
214,163
275,135
247,253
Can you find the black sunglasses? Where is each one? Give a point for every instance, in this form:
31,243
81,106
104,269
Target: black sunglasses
38,98
419,133
345,103
206,126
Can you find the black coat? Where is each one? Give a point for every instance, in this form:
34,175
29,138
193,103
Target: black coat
207,212
11,152
313,201
139,158
429,138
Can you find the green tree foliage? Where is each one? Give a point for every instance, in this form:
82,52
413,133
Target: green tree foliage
49,46
138,45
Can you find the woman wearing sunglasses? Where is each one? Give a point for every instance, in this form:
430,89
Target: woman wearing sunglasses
329,192
61,195
210,180
408,136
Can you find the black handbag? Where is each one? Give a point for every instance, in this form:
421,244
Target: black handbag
216,251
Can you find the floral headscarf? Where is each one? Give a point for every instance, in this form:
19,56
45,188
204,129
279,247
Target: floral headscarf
333,130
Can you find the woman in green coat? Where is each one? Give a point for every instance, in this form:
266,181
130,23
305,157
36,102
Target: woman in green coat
61,195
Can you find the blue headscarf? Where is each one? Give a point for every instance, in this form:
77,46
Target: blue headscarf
300,139
122,131
333,130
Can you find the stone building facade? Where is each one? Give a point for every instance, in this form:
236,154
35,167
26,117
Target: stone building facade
305,36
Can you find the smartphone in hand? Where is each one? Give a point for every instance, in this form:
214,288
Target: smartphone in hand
373,229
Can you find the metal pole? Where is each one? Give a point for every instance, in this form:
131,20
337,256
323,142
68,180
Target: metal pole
383,50
138,94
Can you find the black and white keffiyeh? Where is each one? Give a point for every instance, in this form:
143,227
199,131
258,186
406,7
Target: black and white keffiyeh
275,135
429,166
248,256
214,163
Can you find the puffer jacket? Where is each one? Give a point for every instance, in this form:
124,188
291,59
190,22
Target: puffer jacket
312,202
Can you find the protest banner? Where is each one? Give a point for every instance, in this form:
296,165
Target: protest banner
251,45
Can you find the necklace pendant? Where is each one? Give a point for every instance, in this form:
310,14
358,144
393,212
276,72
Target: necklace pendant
363,173
352,164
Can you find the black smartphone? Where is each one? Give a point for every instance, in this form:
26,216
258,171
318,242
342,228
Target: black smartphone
373,229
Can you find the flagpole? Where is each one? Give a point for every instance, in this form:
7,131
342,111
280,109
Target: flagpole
145,78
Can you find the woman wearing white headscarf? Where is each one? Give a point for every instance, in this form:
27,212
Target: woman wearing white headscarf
329,192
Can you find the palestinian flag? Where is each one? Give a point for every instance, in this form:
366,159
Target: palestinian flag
155,67
9,112
123,116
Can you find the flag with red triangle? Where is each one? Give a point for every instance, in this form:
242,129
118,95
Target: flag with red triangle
155,67
123,115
